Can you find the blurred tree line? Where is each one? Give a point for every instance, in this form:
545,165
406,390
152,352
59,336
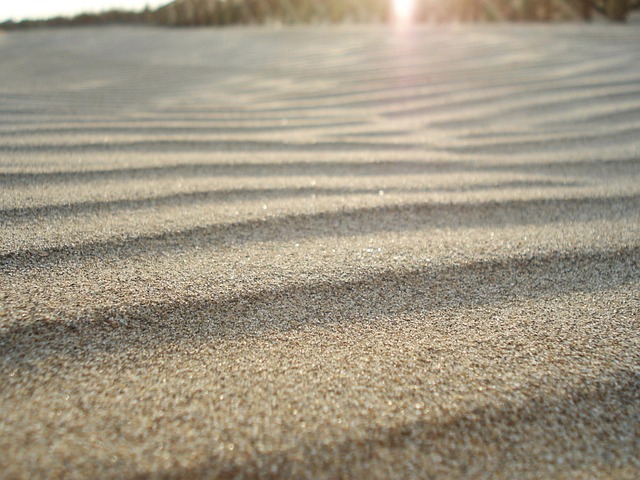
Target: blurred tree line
229,12
86,19
223,12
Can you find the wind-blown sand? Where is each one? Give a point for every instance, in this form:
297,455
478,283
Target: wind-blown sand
320,252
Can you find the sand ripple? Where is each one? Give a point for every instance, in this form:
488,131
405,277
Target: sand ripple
320,252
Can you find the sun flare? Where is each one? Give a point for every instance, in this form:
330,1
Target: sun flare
404,10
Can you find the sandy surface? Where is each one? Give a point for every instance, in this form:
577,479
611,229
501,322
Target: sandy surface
320,253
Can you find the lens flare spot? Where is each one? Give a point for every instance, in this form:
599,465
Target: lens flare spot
404,10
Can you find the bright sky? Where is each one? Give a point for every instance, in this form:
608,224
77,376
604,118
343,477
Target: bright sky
35,9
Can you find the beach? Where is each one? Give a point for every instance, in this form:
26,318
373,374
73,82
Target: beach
351,251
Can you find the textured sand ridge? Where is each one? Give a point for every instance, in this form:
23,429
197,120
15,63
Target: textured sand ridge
346,252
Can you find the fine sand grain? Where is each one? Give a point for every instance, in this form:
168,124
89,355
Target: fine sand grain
346,252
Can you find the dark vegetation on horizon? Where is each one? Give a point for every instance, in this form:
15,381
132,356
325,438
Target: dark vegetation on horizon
231,12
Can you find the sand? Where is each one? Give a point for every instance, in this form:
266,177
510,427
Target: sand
320,252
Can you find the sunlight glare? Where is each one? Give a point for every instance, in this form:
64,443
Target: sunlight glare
404,10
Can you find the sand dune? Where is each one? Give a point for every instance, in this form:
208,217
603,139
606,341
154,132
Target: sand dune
320,252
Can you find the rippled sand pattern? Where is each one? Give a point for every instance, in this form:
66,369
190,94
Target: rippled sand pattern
320,252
